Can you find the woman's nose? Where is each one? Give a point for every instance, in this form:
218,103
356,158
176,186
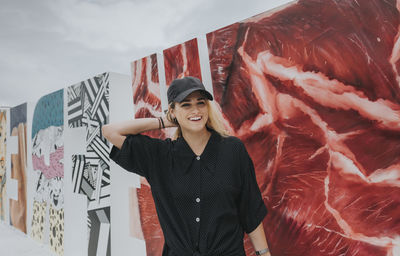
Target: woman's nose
196,109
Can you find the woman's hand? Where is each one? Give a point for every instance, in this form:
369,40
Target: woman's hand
257,238
167,123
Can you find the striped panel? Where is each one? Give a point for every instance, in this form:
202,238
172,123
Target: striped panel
74,106
103,199
101,149
97,101
91,157
74,112
92,134
98,183
91,88
106,173
91,172
103,112
87,186
79,163
89,222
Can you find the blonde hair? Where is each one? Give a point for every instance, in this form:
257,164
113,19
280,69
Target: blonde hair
215,120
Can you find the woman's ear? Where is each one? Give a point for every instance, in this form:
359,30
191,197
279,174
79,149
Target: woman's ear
172,113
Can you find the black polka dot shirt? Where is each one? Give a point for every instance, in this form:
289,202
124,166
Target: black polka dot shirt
204,203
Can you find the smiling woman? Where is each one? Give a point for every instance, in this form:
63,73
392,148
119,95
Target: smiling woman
198,107
203,181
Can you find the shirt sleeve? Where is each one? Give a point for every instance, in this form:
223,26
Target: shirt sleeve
138,154
252,209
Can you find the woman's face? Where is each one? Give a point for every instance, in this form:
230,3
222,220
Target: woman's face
192,112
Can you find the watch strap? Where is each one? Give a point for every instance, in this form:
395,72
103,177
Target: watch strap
261,252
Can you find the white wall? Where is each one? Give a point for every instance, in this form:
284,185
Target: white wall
121,108
75,205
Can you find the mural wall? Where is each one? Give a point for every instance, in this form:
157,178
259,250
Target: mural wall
313,91
3,148
147,103
88,106
309,88
182,60
47,224
18,166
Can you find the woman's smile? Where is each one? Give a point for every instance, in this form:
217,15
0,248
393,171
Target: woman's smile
195,118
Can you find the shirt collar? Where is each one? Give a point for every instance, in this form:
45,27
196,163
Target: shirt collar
184,156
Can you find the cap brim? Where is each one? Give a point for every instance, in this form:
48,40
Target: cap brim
186,93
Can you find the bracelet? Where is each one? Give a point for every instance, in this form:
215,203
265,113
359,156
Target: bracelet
159,123
261,252
162,122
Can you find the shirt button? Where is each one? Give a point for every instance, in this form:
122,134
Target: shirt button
197,219
198,200
198,157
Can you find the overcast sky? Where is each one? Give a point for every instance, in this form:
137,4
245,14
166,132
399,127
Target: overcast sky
46,45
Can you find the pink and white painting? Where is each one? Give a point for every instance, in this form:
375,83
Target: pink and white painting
48,167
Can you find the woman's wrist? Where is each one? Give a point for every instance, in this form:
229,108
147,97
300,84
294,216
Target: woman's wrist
165,123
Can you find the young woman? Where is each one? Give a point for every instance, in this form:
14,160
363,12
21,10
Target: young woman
203,181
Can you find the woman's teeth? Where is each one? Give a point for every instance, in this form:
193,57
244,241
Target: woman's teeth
194,118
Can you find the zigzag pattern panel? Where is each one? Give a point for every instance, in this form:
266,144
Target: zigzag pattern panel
88,106
79,163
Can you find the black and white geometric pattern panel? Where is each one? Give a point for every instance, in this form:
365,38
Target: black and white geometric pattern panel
99,232
88,102
88,106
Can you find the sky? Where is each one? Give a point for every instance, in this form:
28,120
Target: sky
46,45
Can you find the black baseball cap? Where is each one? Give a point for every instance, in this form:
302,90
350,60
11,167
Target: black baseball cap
180,88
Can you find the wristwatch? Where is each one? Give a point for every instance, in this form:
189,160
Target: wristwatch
261,252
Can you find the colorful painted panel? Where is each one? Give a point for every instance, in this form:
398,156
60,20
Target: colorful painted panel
48,167
182,60
146,90
313,90
18,166
3,141
147,103
88,106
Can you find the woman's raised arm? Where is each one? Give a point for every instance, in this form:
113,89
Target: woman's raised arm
117,132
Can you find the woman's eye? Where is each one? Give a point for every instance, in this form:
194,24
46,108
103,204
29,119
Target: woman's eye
201,103
185,105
